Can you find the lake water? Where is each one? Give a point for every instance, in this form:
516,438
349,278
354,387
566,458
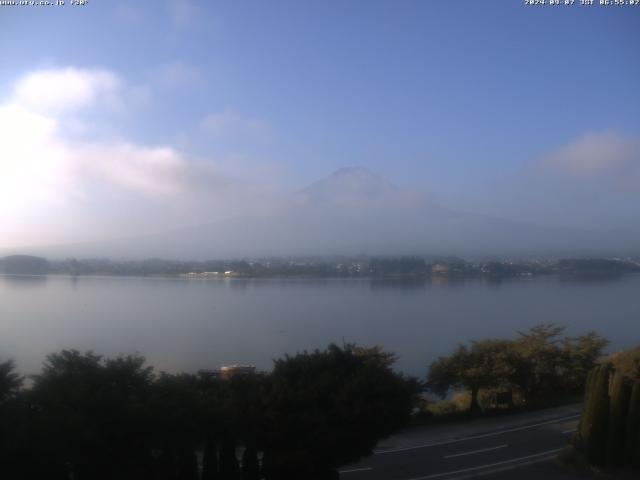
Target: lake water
186,325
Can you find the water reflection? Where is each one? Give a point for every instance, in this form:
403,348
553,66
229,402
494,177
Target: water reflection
405,285
593,278
22,281
182,324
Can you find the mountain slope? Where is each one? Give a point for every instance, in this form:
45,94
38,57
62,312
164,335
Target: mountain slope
354,211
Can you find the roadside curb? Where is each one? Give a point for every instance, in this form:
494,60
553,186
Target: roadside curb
485,433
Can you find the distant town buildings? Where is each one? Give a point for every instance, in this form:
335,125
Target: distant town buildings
439,269
227,273
325,267
228,371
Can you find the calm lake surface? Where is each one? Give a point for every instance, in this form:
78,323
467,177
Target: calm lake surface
185,325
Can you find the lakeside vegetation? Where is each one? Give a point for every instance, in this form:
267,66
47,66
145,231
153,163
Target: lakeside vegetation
540,367
88,417
608,436
412,267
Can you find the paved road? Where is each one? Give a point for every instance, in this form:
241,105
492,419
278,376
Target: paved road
487,447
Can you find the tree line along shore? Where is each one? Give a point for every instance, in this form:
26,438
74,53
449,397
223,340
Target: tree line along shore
89,417
359,266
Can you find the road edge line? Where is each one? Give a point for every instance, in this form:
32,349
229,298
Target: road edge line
547,455
474,437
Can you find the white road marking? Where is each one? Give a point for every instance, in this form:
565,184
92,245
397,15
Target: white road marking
351,470
474,437
489,465
570,431
476,451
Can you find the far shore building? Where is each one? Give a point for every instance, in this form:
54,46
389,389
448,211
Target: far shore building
440,269
227,371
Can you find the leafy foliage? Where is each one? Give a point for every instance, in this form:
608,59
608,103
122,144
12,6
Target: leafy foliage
89,417
619,403
539,364
632,436
330,407
627,363
10,381
609,431
482,365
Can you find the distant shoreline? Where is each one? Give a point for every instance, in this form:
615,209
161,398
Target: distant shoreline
389,278
387,268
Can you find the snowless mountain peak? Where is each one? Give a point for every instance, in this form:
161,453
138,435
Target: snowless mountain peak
351,185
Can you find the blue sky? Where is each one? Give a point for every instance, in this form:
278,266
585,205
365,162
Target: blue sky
456,98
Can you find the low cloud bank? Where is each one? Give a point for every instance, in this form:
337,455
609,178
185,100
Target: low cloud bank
64,180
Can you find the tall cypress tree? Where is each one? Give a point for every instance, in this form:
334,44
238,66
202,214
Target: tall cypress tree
589,384
618,409
266,469
579,438
250,465
633,428
586,419
210,460
593,428
229,466
188,463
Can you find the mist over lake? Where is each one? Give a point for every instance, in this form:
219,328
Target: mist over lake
181,324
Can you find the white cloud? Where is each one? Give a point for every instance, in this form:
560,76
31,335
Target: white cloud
54,188
30,157
32,120
154,171
595,154
34,172
68,89
592,181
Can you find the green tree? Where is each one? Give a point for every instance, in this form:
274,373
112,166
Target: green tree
327,408
592,432
250,464
618,409
579,356
484,364
609,430
210,460
632,450
10,381
627,363
175,409
13,427
540,364
93,414
229,466
539,360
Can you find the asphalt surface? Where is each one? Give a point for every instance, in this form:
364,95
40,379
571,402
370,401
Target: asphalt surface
486,448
